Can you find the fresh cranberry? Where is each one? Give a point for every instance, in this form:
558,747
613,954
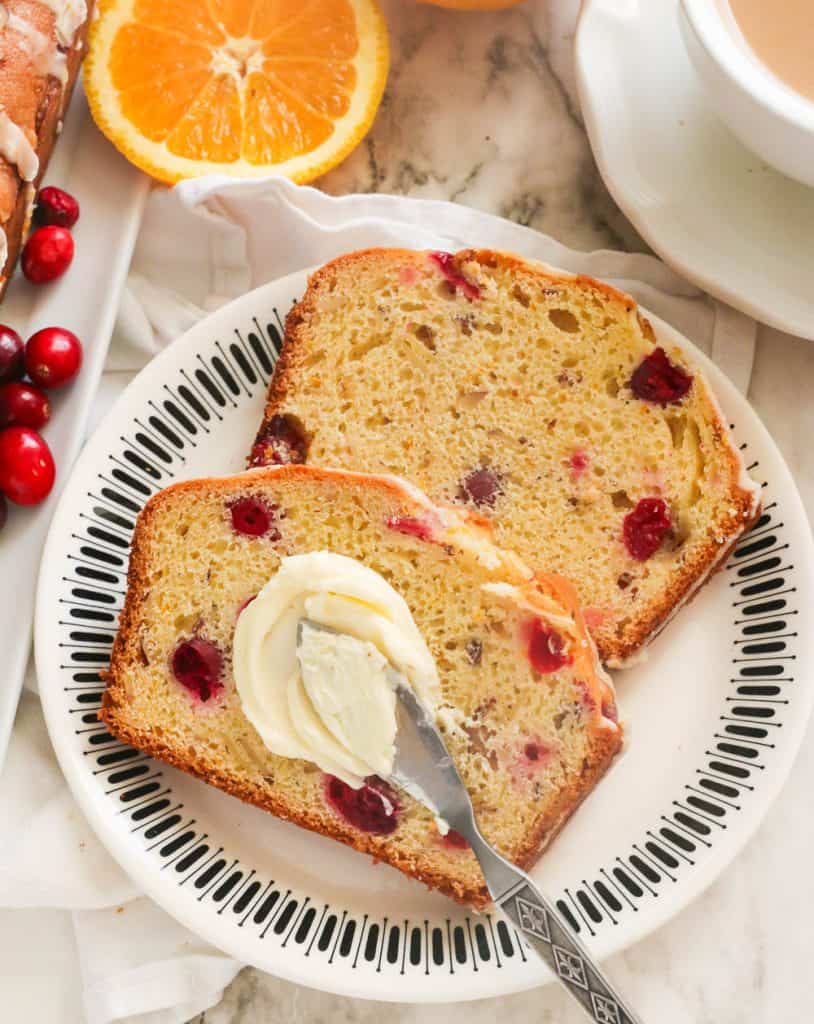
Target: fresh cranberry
56,206
372,808
545,648
445,261
454,840
645,528
658,380
197,664
281,443
26,466
47,254
24,404
411,526
3,511
482,486
254,517
53,357
12,357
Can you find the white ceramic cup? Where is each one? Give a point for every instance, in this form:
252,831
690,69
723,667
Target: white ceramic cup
766,115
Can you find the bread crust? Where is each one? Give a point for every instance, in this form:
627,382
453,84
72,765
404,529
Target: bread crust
603,745
51,101
618,650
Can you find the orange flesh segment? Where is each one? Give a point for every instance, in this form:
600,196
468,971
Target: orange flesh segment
188,19
158,107
278,15
324,29
210,129
169,55
325,87
232,15
277,125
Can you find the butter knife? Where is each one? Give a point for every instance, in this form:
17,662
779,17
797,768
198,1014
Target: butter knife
424,765
423,762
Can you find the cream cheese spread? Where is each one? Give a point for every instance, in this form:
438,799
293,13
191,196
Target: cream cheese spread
330,700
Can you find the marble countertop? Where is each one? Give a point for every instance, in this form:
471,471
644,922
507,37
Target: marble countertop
482,109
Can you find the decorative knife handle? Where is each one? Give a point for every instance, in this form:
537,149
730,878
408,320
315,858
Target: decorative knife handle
551,936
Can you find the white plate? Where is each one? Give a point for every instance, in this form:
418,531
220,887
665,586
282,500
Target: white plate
715,717
111,195
708,206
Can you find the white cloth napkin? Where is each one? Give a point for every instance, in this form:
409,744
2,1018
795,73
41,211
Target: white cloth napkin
201,244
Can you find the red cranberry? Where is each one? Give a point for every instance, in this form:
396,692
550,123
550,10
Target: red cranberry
454,840
545,648
535,752
21,403
197,664
281,443
658,380
56,206
411,526
445,261
53,357
579,462
26,466
481,486
644,528
12,358
3,511
254,517
47,254
372,808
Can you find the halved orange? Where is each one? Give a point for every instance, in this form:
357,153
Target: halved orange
241,87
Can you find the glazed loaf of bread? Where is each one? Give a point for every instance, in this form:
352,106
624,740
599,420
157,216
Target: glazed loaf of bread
531,717
539,399
42,43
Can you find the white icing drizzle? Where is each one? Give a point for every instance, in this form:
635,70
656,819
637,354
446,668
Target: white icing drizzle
68,16
42,49
30,194
16,148
3,252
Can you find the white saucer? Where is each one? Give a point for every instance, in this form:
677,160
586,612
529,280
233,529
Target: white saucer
709,207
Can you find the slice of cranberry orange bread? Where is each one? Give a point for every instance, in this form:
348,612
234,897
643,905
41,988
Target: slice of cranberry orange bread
541,399
527,711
